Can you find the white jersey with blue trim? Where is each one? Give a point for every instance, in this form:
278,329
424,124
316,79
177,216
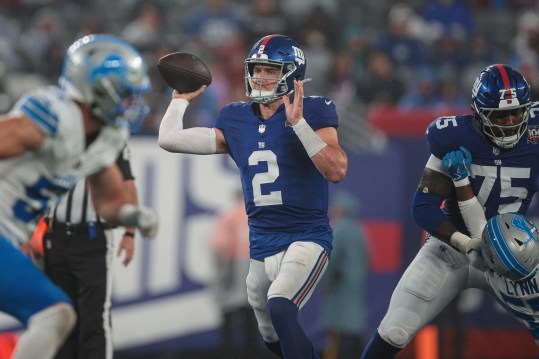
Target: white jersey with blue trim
30,181
520,298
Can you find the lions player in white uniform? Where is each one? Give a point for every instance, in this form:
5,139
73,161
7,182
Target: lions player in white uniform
53,137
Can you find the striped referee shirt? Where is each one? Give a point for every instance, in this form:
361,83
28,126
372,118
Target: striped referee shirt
76,206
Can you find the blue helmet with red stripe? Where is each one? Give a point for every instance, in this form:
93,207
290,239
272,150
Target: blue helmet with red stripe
510,246
278,51
501,101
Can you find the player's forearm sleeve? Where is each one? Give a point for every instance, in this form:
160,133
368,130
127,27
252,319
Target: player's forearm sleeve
474,216
426,210
173,137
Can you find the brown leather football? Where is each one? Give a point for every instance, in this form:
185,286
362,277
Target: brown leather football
184,72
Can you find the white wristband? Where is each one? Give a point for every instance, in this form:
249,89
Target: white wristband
460,241
461,183
310,140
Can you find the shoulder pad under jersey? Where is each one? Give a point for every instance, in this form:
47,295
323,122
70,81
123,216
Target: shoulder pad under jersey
446,134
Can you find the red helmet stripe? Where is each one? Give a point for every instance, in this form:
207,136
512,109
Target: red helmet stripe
505,77
265,40
263,44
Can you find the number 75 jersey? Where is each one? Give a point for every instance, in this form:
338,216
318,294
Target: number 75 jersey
283,190
504,180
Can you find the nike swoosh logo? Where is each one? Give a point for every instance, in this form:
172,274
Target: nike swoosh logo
327,102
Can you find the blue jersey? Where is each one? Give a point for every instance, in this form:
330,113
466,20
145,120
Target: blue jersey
503,180
284,192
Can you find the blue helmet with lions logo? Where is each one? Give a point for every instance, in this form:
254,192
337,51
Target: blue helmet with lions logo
279,51
500,91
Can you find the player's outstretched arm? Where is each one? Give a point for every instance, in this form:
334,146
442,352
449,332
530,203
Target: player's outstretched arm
112,203
197,140
17,135
457,164
433,189
322,146
127,243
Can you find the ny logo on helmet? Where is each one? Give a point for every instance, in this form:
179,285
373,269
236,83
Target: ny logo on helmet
300,56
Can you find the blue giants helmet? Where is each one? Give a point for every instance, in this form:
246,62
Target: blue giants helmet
280,51
510,246
500,88
109,75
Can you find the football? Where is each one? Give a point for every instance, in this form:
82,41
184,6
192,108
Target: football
184,72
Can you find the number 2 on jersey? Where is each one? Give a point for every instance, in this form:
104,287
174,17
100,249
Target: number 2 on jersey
274,197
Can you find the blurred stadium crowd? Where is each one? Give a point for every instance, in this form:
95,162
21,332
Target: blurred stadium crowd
360,53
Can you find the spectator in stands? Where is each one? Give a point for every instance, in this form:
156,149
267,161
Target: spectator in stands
344,311
449,51
265,17
480,52
319,19
421,91
404,50
522,43
214,24
42,46
146,29
321,60
343,82
528,26
356,41
449,16
450,96
9,34
380,85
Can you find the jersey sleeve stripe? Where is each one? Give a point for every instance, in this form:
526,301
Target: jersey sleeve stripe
41,115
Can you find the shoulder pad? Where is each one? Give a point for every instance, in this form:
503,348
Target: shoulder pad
447,133
43,106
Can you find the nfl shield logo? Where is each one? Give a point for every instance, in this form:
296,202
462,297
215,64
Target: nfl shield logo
262,128
495,151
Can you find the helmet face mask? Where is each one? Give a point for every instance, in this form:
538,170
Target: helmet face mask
501,101
510,246
276,51
110,76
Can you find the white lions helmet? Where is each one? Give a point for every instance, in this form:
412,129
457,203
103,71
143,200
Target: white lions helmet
109,75
510,246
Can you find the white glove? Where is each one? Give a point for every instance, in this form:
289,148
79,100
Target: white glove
464,243
144,218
